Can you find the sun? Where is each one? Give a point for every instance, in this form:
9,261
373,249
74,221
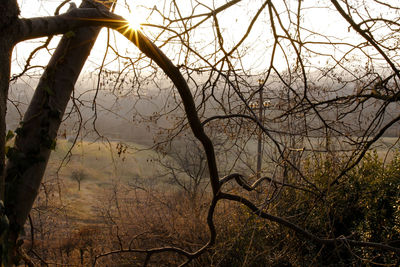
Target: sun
133,16
134,22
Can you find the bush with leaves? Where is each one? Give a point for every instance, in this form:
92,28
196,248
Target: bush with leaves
365,206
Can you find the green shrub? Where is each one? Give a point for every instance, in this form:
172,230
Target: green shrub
364,205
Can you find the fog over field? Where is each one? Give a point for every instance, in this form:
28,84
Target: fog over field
128,117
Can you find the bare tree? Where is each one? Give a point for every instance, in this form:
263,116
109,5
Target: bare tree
350,100
78,176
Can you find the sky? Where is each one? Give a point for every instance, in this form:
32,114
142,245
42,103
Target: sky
36,8
233,22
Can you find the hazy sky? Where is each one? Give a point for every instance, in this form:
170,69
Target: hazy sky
34,8
233,22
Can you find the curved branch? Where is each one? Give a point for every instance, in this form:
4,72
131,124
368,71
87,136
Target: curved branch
100,16
153,52
250,187
302,231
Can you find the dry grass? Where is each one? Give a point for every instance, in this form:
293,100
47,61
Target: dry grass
123,203
103,168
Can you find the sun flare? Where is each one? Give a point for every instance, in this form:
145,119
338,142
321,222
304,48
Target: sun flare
134,22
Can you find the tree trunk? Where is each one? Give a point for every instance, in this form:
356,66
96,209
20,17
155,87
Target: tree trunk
9,12
5,61
37,134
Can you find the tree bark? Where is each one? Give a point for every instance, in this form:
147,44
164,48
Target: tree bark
5,62
37,134
9,12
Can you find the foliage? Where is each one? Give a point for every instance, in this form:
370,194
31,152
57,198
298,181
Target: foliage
364,206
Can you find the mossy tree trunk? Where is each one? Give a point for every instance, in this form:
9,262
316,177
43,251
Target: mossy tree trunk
9,12
36,136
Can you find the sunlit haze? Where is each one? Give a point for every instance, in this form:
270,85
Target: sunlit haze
135,21
321,26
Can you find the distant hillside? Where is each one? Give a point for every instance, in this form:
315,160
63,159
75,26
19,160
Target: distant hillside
124,118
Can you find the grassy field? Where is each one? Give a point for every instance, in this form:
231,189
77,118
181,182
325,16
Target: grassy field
90,218
103,167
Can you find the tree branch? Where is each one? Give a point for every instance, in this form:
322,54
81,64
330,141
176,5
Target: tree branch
302,231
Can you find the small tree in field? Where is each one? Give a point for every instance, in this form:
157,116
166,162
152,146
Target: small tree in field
78,176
